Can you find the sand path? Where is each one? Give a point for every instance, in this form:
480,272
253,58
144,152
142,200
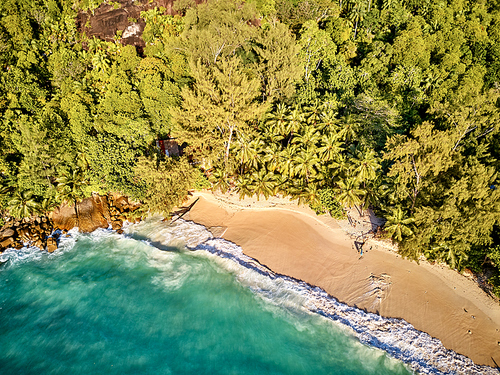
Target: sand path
292,240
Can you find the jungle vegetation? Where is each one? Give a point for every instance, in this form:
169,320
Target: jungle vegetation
389,104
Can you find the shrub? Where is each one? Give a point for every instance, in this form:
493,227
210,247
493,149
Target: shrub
328,203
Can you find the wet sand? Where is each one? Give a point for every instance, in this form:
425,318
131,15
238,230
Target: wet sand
292,240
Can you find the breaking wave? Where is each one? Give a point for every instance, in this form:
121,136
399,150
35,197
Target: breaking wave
418,350
423,353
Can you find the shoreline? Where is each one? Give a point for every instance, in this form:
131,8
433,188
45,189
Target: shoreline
292,240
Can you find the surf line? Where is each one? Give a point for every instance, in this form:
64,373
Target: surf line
421,352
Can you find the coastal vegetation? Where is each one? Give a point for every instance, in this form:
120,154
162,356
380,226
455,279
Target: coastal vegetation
389,104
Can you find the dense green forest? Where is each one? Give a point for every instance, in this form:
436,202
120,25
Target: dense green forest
389,104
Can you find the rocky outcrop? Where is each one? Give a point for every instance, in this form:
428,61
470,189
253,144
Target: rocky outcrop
31,232
121,15
120,209
93,213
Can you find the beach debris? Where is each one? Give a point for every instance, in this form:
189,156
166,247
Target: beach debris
183,211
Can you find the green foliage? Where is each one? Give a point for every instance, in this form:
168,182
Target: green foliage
167,182
201,181
221,105
328,203
392,105
70,187
112,162
398,225
22,204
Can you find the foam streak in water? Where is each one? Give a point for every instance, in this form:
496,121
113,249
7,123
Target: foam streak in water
423,353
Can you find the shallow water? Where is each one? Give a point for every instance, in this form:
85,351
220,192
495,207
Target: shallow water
146,303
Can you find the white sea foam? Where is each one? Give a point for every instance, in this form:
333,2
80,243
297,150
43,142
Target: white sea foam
423,353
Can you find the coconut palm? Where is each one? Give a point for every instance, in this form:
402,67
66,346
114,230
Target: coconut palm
349,128
308,137
357,15
451,253
349,193
295,122
256,158
305,163
247,153
277,122
329,121
70,187
398,225
272,157
374,192
367,165
286,161
330,147
244,186
307,195
48,203
22,204
219,179
312,114
263,182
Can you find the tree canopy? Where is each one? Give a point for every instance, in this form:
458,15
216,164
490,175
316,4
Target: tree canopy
392,105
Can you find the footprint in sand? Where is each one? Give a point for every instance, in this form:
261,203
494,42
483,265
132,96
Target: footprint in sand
378,288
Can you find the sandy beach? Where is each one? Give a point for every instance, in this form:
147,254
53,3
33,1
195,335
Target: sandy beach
293,240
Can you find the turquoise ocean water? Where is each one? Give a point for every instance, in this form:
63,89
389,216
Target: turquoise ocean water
143,303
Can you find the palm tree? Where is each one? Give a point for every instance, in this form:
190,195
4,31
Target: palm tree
374,191
330,148
277,122
366,166
70,187
100,62
349,193
295,121
454,255
307,195
348,130
313,114
264,183
244,186
329,121
308,137
255,157
247,153
357,15
397,225
286,161
305,162
219,179
48,203
22,204
272,157
95,44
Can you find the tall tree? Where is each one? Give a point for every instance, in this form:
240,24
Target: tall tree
221,103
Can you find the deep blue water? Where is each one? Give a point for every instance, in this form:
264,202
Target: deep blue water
111,304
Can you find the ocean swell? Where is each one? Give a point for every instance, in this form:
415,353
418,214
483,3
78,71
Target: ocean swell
423,353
